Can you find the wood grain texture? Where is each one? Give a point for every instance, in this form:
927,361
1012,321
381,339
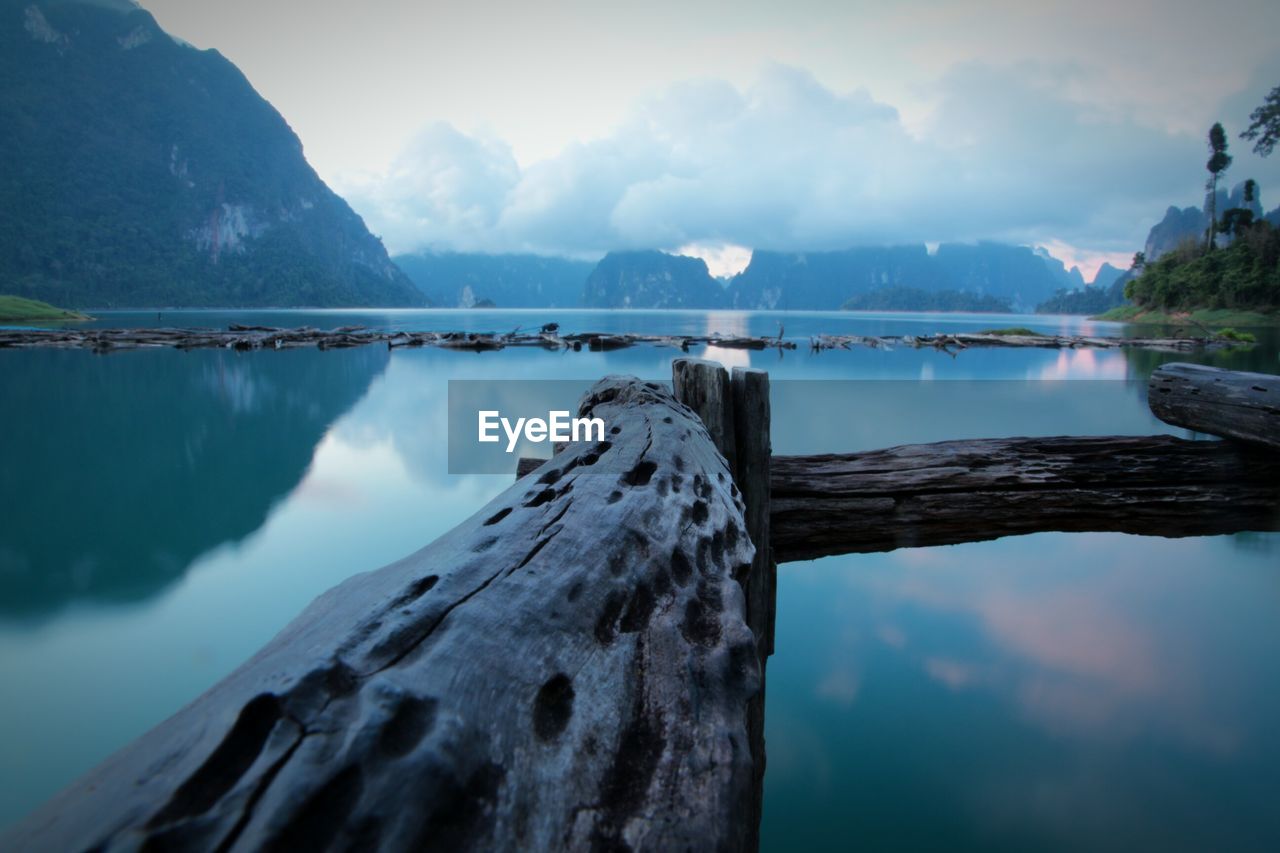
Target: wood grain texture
1228,403
970,491
570,668
735,409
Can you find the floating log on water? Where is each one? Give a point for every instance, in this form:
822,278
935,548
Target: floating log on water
962,341
970,491
1228,403
243,337
569,668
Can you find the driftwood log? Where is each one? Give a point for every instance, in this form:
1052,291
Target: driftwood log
1228,403
569,668
971,491
241,337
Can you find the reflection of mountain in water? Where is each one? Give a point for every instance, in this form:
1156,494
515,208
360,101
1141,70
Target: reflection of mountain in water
192,448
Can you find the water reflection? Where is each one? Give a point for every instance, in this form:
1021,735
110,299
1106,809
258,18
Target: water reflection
1095,691
1047,691
121,470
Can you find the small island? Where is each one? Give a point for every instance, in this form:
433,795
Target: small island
15,309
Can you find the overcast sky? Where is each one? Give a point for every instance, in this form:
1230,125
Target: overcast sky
578,127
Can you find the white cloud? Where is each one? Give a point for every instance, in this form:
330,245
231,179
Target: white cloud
787,163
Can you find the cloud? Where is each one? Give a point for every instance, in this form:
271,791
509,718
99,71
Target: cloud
787,163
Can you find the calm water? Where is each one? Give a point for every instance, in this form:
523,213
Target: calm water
163,514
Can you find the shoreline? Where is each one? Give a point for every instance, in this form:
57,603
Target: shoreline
1210,317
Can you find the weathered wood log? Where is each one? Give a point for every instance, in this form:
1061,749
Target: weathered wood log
1227,403
735,410
970,491
569,668
266,337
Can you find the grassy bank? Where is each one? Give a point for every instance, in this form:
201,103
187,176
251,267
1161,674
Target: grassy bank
1211,317
15,309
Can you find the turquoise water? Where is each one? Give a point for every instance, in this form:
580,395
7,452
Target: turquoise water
163,514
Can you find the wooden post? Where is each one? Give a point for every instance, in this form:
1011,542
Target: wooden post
736,411
1228,403
570,668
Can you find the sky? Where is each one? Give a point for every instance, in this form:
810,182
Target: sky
577,128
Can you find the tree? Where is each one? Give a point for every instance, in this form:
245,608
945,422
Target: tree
1139,260
1236,221
1240,219
1219,161
1265,128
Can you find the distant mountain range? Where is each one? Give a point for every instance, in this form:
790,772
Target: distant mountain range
140,171
1016,276
983,276
454,280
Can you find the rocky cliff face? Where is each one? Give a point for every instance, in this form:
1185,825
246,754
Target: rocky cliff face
1106,276
141,171
1191,223
652,279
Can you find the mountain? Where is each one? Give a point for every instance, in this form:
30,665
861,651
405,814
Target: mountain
826,280
509,281
1068,278
1191,223
1091,300
1018,275
140,171
651,279
914,299
1106,275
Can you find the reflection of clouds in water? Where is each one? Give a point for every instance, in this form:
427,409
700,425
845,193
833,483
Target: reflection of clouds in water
728,324
1088,652
235,383
1084,364
953,673
841,685
730,358
892,636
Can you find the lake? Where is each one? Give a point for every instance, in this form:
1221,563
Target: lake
164,513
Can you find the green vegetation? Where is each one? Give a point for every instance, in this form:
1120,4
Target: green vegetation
1011,330
1230,334
1244,276
1209,317
914,299
15,309
1089,300
1236,274
158,177
1264,131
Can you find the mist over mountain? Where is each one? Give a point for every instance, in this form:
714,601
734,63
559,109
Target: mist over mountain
452,279
140,171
